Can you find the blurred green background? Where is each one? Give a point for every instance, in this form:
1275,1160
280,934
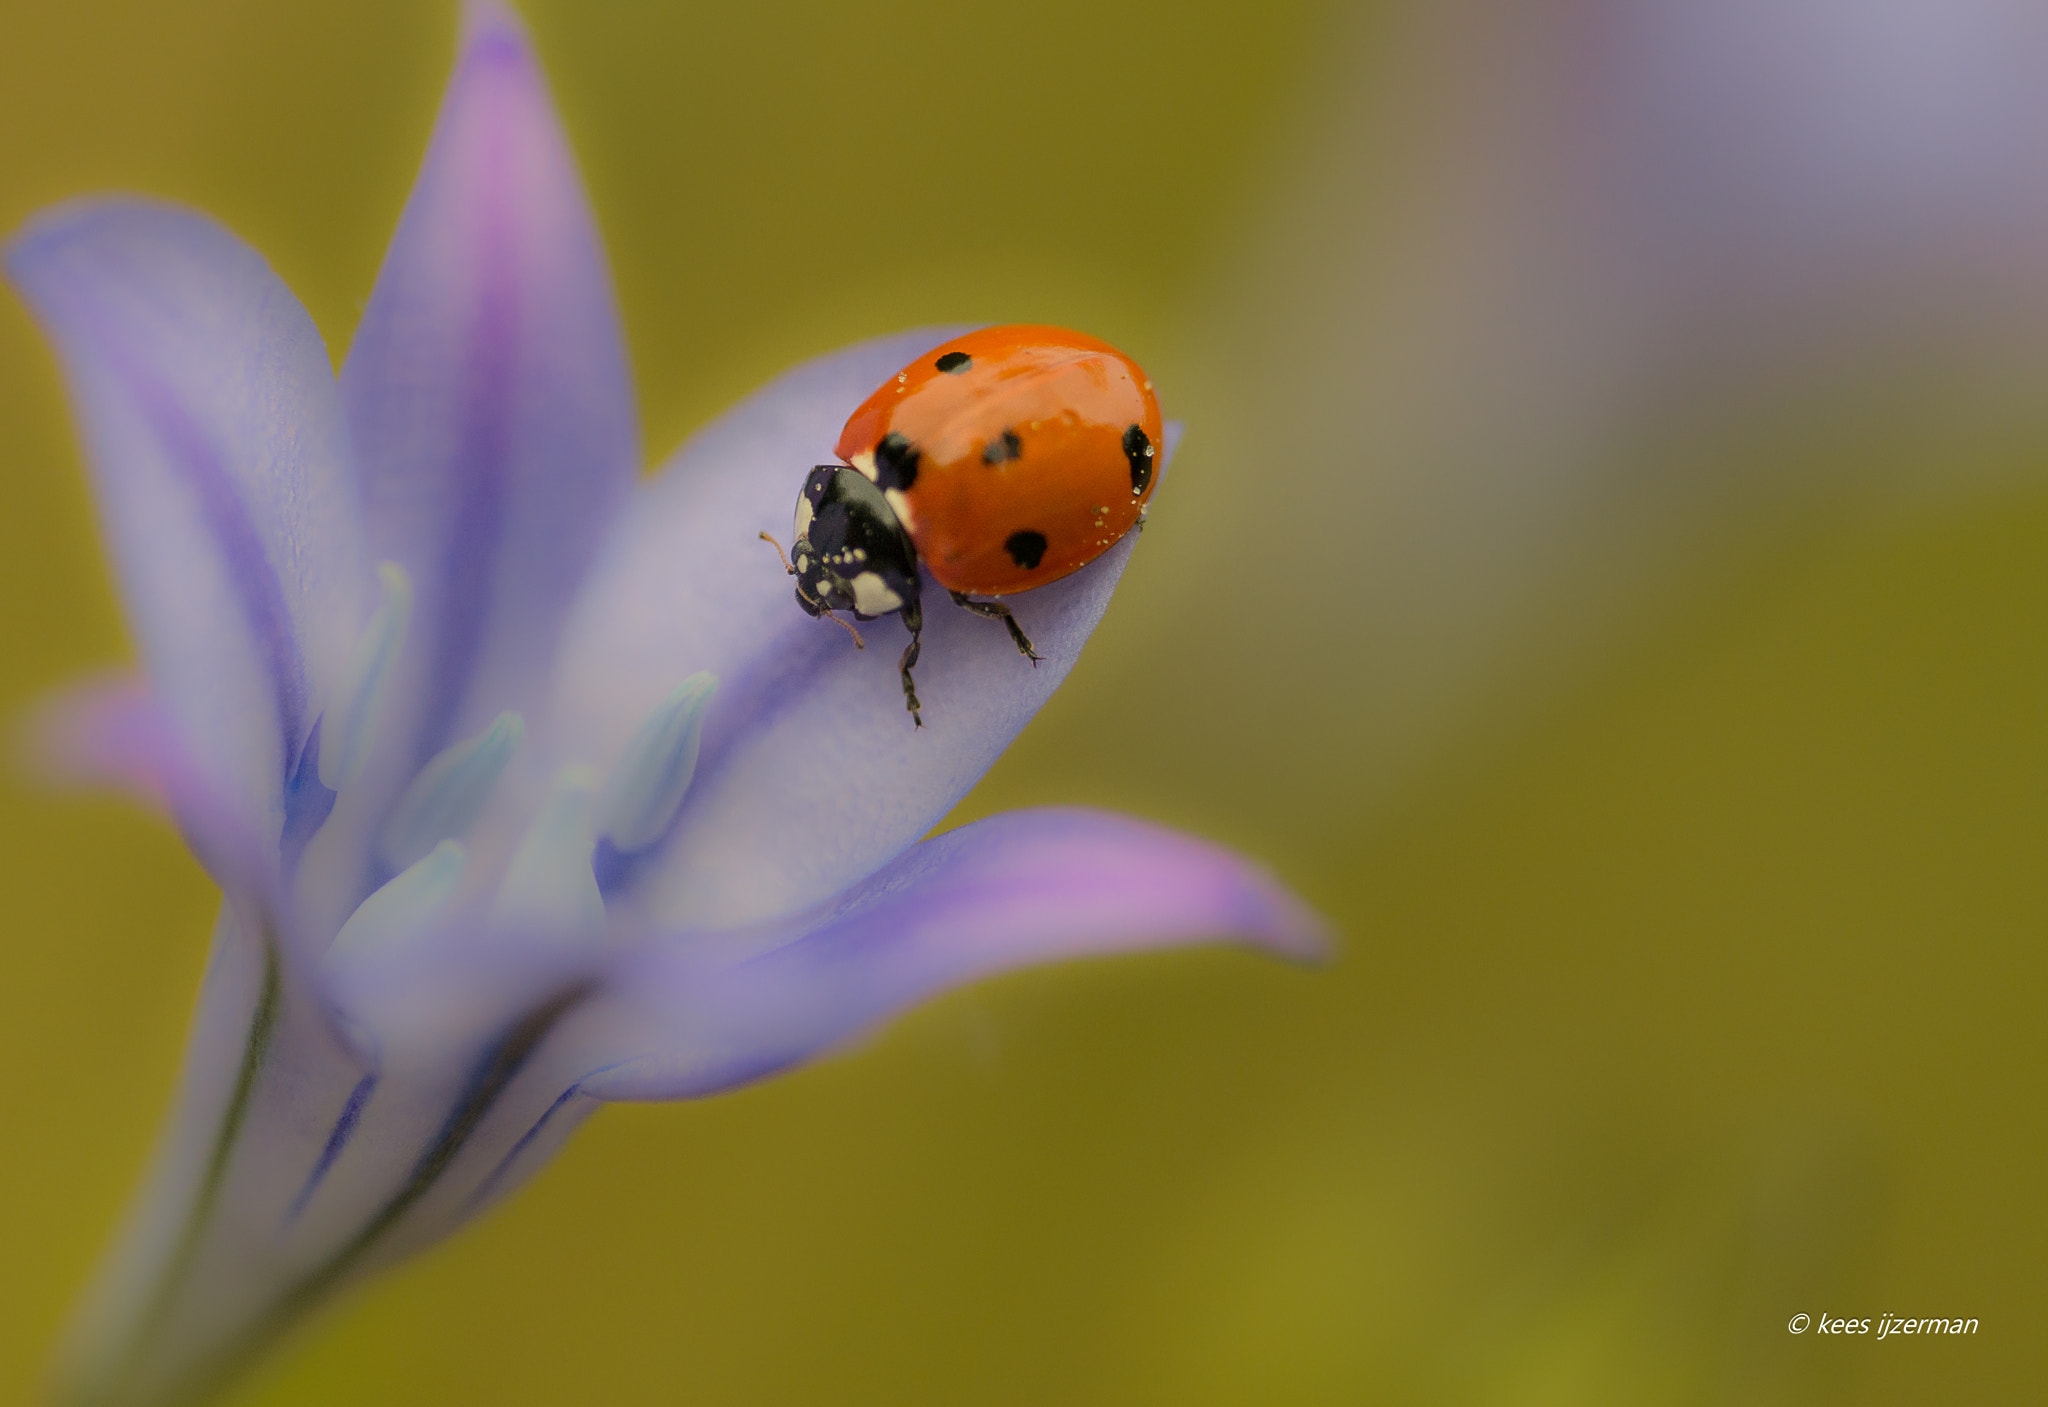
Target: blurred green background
1661,714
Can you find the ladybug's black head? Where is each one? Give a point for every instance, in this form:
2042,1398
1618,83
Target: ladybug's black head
818,589
851,552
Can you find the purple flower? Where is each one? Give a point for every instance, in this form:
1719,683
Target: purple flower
527,784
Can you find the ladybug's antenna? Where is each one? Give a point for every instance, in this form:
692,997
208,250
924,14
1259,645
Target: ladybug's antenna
847,626
779,553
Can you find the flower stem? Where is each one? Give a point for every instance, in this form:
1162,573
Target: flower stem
255,1050
500,1064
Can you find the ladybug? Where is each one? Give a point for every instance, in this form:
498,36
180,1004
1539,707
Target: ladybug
1002,460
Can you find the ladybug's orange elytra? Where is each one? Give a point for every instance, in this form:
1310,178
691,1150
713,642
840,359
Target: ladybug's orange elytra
1026,452
1001,460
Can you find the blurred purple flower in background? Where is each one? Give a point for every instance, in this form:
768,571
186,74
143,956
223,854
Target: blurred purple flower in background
527,785
1563,300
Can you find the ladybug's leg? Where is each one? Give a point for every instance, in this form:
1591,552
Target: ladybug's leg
913,617
996,610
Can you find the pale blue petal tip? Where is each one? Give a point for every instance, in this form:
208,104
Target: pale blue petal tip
363,694
403,908
654,772
450,792
549,887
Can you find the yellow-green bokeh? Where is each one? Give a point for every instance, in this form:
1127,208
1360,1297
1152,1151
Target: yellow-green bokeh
1694,989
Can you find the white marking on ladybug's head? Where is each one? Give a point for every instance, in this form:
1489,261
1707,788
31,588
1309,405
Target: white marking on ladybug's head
804,512
899,504
865,462
872,596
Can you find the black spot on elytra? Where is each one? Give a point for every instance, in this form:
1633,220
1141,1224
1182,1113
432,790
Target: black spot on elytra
1002,451
895,462
1138,449
1026,549
955,362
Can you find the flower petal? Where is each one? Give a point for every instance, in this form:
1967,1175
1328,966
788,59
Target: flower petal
493,1043
698,1014
221,464
488,395
105,731
114,732
810,774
